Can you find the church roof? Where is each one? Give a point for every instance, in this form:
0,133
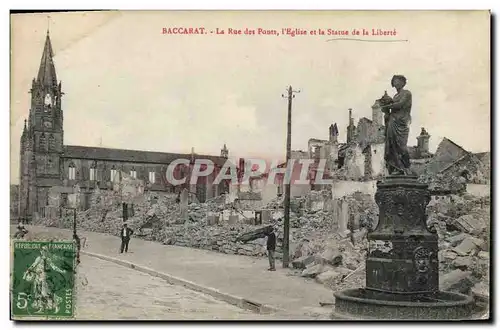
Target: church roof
134,156
47,71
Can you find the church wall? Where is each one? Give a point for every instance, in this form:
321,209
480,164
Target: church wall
103,175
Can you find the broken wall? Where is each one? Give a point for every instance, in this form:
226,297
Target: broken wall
354,162
377,160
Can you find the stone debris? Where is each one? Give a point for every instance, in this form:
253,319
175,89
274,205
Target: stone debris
456,281
484,255
457,239
255,234
302,262
313,270
468,246
330,256
470,224
332,277
463,263
318,246
481,292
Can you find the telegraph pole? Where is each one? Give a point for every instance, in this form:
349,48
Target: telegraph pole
286,223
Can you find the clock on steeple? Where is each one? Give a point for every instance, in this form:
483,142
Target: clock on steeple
47,123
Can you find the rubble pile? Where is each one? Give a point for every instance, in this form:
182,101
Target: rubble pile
276,203
463,226
337,264
106,211
444,183
197,212
462,223
219,238
317,250
364,206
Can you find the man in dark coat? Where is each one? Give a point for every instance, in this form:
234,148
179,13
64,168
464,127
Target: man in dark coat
271,247
125,236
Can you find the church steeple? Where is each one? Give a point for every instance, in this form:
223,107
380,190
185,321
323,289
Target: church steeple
47,71
224,152
25,131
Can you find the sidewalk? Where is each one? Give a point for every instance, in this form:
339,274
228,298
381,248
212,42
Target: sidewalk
235,275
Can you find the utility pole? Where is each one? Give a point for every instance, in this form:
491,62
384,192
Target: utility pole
286,223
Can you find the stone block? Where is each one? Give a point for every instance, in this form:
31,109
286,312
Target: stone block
313,270
233,219
456,281
302,249
330,256
302,262
481,291
468,246
448,254
463,263
484,255
470,224
457,239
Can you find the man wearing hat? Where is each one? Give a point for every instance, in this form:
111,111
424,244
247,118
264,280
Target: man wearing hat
125,236
271,247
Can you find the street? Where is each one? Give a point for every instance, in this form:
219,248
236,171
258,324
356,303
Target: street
106,291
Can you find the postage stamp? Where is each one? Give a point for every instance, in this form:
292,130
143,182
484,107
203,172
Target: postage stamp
43,279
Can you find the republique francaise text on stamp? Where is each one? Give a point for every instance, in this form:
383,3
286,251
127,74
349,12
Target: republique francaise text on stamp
43,279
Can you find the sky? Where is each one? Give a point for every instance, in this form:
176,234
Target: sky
129,86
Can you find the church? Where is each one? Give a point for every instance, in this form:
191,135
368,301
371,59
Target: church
46,162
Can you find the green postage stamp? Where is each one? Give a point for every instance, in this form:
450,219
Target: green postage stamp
43,280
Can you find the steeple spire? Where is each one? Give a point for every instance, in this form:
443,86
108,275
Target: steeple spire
25,130
47,71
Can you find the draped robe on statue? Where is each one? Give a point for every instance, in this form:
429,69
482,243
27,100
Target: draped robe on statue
397,130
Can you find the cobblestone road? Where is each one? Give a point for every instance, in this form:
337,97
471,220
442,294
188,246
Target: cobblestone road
106,291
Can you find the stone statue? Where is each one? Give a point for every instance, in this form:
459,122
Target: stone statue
397,127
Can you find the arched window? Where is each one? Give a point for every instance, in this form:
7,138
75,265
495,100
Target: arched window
152,177
114,175
93,171
52,143
71,171
43,142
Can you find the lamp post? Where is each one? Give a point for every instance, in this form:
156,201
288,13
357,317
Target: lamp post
286,222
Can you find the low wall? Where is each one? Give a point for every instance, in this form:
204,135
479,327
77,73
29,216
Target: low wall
346,187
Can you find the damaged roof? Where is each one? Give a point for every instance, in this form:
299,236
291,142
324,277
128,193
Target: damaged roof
446,154
133,156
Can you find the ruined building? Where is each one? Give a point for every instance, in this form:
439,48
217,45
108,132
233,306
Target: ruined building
361,157
46,162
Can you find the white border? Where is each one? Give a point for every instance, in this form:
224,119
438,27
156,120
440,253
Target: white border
200,4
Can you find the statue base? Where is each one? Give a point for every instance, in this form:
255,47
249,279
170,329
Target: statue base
402,273
366,304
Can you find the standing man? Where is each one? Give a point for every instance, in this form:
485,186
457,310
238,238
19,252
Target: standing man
271,247
125,236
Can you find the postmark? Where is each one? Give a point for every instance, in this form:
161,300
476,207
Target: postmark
43,279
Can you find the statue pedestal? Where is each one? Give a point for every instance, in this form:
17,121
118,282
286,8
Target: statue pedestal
402,266
402,256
